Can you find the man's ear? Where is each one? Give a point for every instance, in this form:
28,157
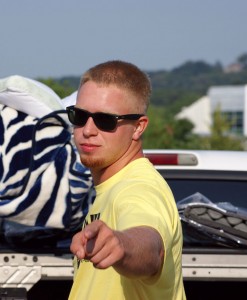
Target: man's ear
140,127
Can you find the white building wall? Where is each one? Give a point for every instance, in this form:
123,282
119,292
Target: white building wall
199,114
229,98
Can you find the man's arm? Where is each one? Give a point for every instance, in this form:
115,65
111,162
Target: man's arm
135,252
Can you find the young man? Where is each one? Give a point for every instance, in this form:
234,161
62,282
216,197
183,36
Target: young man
131,243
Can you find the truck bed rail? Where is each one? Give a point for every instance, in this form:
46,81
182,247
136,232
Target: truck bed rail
23,270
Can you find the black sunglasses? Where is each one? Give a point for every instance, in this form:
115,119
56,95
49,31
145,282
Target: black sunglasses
104,121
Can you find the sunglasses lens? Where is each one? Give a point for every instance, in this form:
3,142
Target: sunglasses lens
105,122
77,117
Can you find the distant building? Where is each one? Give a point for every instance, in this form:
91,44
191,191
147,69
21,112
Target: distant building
232,102
234,68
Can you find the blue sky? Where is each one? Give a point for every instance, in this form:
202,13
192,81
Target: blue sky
55,38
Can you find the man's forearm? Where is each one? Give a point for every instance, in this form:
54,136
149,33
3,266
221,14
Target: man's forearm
143,252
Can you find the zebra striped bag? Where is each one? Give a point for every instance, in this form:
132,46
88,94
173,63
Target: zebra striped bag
43,186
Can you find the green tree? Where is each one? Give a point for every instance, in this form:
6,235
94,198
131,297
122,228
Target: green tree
155,134
220,138
62,90
165,132
242,59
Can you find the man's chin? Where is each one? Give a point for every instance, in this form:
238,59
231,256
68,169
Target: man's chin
90,162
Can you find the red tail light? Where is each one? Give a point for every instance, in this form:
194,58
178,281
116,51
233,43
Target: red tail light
172,159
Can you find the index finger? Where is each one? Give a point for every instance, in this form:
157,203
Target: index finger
91,230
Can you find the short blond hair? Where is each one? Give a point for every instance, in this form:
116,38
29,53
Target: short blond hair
123,75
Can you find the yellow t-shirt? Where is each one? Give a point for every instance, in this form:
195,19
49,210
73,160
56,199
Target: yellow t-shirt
136,196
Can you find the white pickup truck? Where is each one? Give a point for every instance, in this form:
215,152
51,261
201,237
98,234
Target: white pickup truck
210,188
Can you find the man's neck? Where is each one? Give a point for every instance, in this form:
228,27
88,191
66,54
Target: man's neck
101,175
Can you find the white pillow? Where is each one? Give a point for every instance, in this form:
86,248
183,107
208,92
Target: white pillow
29,96
70,100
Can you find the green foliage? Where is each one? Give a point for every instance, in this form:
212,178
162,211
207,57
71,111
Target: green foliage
173,100
187,83
62,90
155,135
220,138
164,132
242,59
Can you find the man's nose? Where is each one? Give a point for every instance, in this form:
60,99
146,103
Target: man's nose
90,128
